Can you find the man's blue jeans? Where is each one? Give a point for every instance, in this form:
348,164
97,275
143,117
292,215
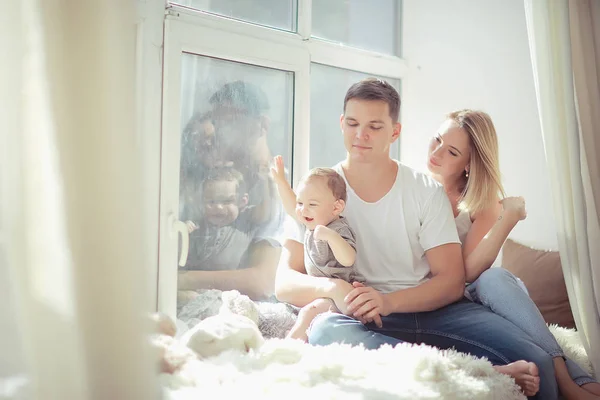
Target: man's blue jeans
465,326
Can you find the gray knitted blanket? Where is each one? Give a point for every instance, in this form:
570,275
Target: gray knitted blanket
274,319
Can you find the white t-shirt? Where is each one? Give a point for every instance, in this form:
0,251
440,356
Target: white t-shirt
393,233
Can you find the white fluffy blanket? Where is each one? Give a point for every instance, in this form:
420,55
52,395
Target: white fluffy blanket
283,369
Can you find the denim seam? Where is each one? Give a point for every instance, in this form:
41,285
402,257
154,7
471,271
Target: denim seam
553,353
584,380
474,343
389,332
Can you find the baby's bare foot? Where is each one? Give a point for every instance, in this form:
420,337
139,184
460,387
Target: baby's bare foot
298,331
525,375
163,324
306,315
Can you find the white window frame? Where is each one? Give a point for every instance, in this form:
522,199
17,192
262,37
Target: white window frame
207,34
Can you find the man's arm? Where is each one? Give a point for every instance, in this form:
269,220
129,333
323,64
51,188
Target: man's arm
438,236
447,283
446,286
443,251
294,286
257,281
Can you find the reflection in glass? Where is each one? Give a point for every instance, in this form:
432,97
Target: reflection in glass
327,91
235,117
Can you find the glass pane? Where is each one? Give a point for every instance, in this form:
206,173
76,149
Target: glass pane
234,118
370,25
280,14
328,86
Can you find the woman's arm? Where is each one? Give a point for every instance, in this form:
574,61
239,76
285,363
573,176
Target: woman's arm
488,233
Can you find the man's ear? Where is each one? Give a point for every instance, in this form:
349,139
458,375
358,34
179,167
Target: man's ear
244,200
396,132
265,124
342,123
338,207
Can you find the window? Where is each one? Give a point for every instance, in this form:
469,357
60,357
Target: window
280,14
244,81
328,86
369,25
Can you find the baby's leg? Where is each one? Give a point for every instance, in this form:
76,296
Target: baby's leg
307,314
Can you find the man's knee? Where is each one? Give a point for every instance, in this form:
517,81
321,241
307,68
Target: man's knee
322,330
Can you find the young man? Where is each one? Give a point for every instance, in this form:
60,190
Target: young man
408,251
233,133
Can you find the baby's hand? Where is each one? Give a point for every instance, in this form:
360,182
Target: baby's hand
514,206
322,232
191,226
278,170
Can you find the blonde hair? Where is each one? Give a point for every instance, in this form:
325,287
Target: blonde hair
483,185
335,182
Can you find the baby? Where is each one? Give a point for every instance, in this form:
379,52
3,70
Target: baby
227,226
329,242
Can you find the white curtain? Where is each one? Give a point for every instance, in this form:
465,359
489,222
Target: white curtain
564,38
72,275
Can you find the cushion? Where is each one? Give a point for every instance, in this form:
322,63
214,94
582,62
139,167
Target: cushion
541,272
221,332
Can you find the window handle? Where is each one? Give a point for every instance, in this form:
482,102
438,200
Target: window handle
180,228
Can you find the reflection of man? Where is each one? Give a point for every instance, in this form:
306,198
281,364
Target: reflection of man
231,135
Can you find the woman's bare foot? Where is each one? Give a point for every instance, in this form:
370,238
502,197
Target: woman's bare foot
569,389
593,388
525,375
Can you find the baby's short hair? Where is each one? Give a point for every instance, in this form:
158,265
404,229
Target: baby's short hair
228,174
335,182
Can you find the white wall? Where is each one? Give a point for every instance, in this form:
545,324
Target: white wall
475,54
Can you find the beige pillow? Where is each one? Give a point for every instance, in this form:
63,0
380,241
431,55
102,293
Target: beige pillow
541,272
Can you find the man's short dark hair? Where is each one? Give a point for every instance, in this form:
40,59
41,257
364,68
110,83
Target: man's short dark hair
243,96
375,89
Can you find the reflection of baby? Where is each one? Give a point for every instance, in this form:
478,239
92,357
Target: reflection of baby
329,242
219,240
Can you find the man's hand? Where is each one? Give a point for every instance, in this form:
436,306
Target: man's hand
322,233
367,304
338,292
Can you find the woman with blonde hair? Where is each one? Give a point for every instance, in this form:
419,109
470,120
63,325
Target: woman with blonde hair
463,157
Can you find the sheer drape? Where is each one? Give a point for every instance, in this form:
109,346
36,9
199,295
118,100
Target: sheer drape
564,38
73,280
